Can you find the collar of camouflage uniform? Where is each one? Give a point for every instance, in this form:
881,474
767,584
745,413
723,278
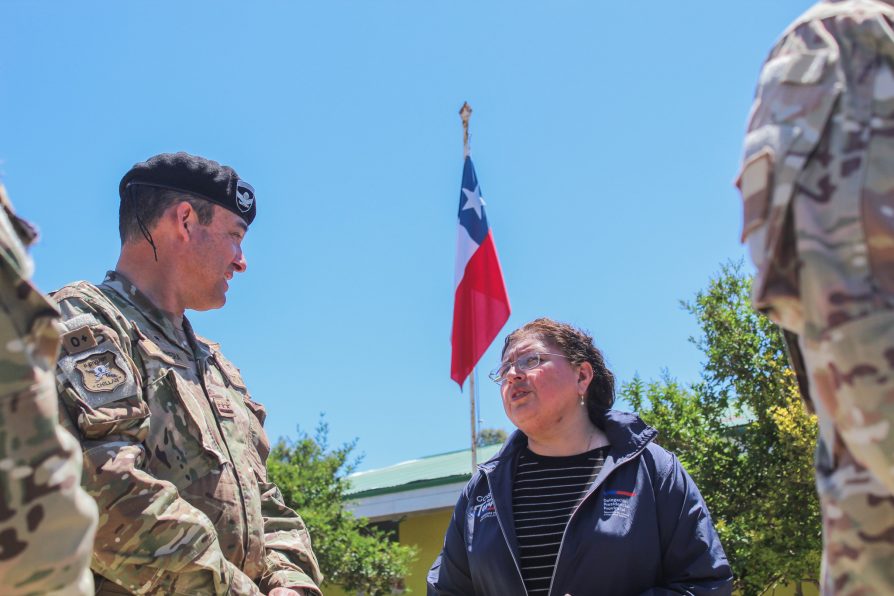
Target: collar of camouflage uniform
157,317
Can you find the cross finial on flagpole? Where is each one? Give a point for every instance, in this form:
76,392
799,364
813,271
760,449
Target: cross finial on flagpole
465,113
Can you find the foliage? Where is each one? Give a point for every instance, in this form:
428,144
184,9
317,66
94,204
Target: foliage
745,437
490,436
352,553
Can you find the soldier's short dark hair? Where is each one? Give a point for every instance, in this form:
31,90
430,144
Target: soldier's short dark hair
146,204
578,347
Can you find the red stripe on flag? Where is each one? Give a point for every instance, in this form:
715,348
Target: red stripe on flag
480,309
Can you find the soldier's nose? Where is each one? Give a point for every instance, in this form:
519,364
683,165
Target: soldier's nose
240,264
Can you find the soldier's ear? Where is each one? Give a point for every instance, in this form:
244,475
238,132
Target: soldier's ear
185,219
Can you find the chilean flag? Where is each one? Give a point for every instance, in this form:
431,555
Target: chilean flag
481,305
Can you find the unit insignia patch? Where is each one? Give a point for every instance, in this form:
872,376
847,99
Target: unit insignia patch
100,372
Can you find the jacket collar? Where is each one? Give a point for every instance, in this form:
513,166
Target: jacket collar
627,435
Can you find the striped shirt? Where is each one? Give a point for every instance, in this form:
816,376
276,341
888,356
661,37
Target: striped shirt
544,493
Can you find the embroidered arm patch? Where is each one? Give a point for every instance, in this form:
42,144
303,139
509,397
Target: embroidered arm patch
99,375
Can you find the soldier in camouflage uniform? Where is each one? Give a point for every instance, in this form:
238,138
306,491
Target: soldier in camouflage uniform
174,446
46,520
818,188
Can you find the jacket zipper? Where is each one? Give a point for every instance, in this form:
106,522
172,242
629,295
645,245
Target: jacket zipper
203,364
506,540
571,517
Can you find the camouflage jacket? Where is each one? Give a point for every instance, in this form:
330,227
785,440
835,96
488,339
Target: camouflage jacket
816,79
46,520
175,454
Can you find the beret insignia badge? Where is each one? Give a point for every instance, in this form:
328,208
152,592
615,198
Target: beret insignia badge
100,372
245,196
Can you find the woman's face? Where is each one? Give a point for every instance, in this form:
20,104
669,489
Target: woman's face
541,400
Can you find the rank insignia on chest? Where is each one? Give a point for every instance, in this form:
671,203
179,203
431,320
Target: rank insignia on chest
223,406
100,372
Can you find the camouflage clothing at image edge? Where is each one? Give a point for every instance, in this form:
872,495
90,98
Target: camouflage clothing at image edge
175,455
46,520
818,188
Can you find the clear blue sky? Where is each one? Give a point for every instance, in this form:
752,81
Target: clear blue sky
606,137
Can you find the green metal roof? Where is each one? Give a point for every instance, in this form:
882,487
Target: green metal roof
436,470
432,470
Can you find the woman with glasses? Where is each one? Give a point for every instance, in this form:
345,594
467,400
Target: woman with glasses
580,500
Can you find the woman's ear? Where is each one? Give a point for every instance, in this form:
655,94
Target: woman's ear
584,377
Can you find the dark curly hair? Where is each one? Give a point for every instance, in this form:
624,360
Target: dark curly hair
577,346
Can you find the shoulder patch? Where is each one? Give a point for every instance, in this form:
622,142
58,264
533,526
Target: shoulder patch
99,375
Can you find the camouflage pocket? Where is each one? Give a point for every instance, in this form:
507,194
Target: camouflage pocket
878,226
180,427
184,449
796,97
156,361
877,192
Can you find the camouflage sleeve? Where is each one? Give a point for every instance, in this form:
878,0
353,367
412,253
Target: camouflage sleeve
149,539
46,520
290,559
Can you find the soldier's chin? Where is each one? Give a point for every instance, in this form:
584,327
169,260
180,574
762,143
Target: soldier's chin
212,303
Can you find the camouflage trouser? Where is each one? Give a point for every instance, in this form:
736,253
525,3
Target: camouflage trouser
852,391
818,185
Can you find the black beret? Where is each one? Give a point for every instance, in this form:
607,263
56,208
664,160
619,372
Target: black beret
197,176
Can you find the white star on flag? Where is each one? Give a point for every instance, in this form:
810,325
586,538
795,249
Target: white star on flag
474,200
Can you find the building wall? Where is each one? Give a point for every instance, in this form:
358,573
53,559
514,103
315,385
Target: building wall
426,531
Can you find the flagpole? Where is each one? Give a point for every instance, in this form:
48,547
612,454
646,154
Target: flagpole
472,389
465,113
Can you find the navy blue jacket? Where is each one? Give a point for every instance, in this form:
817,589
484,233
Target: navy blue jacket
642,528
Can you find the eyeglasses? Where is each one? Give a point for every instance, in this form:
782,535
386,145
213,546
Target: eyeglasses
522,364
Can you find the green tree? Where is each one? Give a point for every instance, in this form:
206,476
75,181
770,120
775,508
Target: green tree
490,436
352,553
744,435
